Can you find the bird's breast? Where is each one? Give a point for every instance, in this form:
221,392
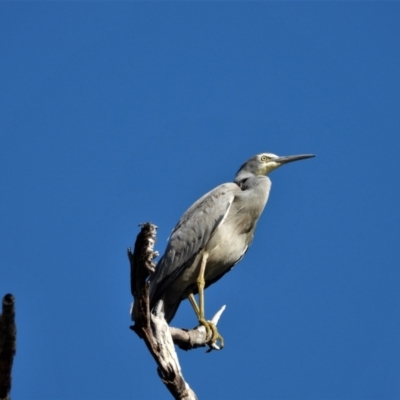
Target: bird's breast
225,249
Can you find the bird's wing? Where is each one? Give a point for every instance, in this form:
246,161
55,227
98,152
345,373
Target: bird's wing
191,235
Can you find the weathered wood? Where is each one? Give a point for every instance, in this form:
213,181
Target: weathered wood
153,329
192,339
8,334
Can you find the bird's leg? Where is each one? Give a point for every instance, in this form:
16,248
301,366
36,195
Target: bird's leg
194,304
201,319
210,327
200,285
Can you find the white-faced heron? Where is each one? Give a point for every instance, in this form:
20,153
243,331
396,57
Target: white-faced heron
211,237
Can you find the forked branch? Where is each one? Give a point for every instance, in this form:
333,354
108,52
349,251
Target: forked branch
153,328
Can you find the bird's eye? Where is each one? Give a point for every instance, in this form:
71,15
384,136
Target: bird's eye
264,158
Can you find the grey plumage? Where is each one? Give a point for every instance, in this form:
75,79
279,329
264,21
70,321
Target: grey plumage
220,225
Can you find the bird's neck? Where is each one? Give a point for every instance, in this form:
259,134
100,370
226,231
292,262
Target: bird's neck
253,195
242,176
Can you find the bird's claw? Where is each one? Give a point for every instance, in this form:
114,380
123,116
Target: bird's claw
212,335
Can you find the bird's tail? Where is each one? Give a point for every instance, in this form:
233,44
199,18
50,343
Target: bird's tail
168,310
159,308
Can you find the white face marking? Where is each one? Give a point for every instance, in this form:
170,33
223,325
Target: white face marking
267,162
269,155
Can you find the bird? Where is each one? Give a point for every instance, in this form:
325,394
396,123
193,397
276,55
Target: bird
211,237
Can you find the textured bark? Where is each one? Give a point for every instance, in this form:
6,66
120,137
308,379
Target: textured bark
8,334
153,328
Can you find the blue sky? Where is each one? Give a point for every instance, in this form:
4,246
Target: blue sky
117,113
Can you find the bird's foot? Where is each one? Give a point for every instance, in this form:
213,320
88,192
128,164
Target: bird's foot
213,335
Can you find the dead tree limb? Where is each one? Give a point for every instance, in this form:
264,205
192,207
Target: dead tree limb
153,328
8,334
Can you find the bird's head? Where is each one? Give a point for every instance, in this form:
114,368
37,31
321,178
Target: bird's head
264,163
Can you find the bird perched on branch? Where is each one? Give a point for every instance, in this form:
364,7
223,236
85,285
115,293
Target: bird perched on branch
211,237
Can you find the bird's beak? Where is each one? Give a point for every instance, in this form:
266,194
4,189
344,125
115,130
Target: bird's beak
288,159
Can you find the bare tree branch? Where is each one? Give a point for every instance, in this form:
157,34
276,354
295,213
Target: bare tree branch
194,338
8,333
153,329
